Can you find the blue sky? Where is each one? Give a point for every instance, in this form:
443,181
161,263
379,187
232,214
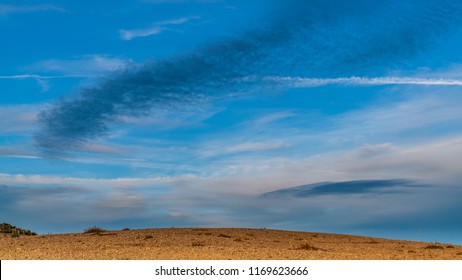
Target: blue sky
302,115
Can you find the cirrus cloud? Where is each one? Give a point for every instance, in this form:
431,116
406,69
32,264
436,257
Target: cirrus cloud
155,29
281,48
13,9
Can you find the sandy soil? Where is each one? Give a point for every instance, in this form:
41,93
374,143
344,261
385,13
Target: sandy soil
205,243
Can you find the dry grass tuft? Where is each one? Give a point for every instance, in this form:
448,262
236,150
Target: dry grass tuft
434,246
309,247
198,244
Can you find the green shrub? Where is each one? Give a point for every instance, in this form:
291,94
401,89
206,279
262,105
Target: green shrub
94,230
434,246
8,228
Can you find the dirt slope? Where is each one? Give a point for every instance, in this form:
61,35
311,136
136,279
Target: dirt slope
205,243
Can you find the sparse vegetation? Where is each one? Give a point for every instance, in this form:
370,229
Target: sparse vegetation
197,244
204,233
15,231
6,228
94,230
186,244
434,246
309,247
125,229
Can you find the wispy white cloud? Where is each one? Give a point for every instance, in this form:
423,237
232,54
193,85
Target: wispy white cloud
11,9
18,119
427,113
416,138
88,66
155,29
17,153
436,162
220,148
255,147
273,117
42,80
40,77
301,82
101,149
15,179
81,66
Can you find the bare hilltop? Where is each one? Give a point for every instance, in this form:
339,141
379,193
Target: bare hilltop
217,244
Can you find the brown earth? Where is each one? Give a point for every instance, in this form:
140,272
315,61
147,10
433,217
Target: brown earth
218,244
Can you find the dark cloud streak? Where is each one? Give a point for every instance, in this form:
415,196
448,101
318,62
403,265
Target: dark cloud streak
345,188
304,38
